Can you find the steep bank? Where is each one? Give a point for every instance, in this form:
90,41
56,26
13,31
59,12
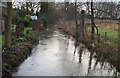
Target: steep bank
18,52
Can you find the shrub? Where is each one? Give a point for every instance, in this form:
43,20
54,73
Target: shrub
25,21
44,21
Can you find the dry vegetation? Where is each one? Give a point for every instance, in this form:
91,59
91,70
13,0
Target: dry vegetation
108,24
105,50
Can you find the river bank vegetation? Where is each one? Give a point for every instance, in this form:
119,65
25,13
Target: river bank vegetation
93,25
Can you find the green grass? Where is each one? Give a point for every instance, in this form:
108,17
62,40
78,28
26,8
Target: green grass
112,36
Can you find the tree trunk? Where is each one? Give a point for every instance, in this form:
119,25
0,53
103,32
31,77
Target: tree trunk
92,20
8,25
27,10
88,8
76,32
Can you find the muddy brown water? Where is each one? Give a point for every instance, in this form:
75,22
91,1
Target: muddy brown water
54,57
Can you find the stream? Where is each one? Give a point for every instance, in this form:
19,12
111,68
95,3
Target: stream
54,56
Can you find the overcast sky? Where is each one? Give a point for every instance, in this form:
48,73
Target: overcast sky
61,0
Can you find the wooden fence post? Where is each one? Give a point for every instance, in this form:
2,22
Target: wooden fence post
98,38
105,36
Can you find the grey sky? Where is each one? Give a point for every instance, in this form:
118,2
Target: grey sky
61,0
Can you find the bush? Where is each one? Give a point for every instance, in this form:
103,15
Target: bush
44,21
13,28
25,21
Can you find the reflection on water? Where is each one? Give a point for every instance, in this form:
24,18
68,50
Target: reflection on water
80,54
95,67
90,62
54,56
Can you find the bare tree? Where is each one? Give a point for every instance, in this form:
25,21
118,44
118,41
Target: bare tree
76,21
88,7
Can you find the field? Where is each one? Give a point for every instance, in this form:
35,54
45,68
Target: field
112,36
111,29
108,26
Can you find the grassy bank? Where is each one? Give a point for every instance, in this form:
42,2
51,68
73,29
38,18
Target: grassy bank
106,51
19,50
